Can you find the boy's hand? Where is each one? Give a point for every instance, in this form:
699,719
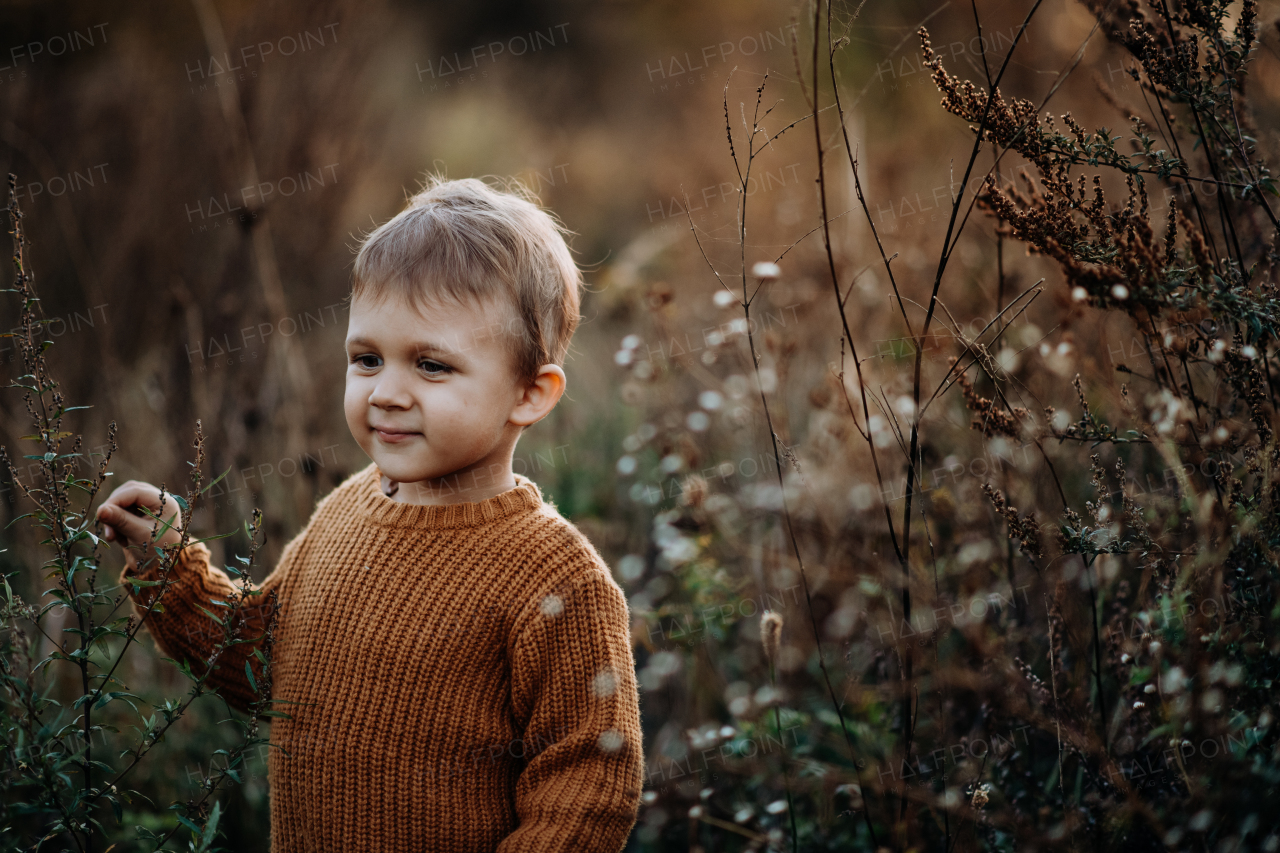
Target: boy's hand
125,522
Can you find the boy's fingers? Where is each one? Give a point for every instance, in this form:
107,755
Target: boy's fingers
130,494
129,515
142,495
135,492
129,526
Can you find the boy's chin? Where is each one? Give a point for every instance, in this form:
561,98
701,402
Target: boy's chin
403,470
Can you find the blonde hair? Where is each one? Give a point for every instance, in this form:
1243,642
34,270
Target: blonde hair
469,242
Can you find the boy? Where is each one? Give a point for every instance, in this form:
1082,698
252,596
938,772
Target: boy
455,655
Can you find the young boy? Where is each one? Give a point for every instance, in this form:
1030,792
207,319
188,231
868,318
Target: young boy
454,654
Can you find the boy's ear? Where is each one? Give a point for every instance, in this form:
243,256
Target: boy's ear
539,397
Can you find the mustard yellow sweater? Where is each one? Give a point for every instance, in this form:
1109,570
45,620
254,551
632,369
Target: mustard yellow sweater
462,674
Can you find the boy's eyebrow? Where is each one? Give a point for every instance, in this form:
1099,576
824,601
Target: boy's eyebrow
421,348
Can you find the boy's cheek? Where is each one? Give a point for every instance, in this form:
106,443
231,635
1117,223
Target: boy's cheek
356,420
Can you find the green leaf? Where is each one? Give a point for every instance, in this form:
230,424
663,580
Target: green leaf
1156,733
136,582
210,615
110,697
248,671
211,826
215,481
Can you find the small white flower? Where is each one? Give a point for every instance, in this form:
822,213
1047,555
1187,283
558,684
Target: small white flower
1079,294
631,567
710,400
611,740
1174,680
604,684
723,298
737,386
552,606
1120,292
766,270
776,807
1249,352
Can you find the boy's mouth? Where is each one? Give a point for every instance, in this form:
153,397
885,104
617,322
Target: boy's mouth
393,436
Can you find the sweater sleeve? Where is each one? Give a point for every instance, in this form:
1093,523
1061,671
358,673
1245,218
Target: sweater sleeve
573,680
183,630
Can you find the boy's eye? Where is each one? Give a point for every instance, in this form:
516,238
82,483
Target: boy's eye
428,366
434,368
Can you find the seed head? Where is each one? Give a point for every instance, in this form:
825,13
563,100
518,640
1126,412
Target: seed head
771,635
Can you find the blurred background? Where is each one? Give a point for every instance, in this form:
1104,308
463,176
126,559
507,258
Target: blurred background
196,176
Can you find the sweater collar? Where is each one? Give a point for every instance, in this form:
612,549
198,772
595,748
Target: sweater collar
382,510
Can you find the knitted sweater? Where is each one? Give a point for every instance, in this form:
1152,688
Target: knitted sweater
459,678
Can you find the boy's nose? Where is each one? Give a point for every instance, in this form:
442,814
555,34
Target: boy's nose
390,392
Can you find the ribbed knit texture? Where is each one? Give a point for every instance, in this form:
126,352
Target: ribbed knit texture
463,674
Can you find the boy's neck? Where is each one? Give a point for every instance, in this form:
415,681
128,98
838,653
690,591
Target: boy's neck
468,485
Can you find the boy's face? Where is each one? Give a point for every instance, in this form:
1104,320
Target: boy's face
433,392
